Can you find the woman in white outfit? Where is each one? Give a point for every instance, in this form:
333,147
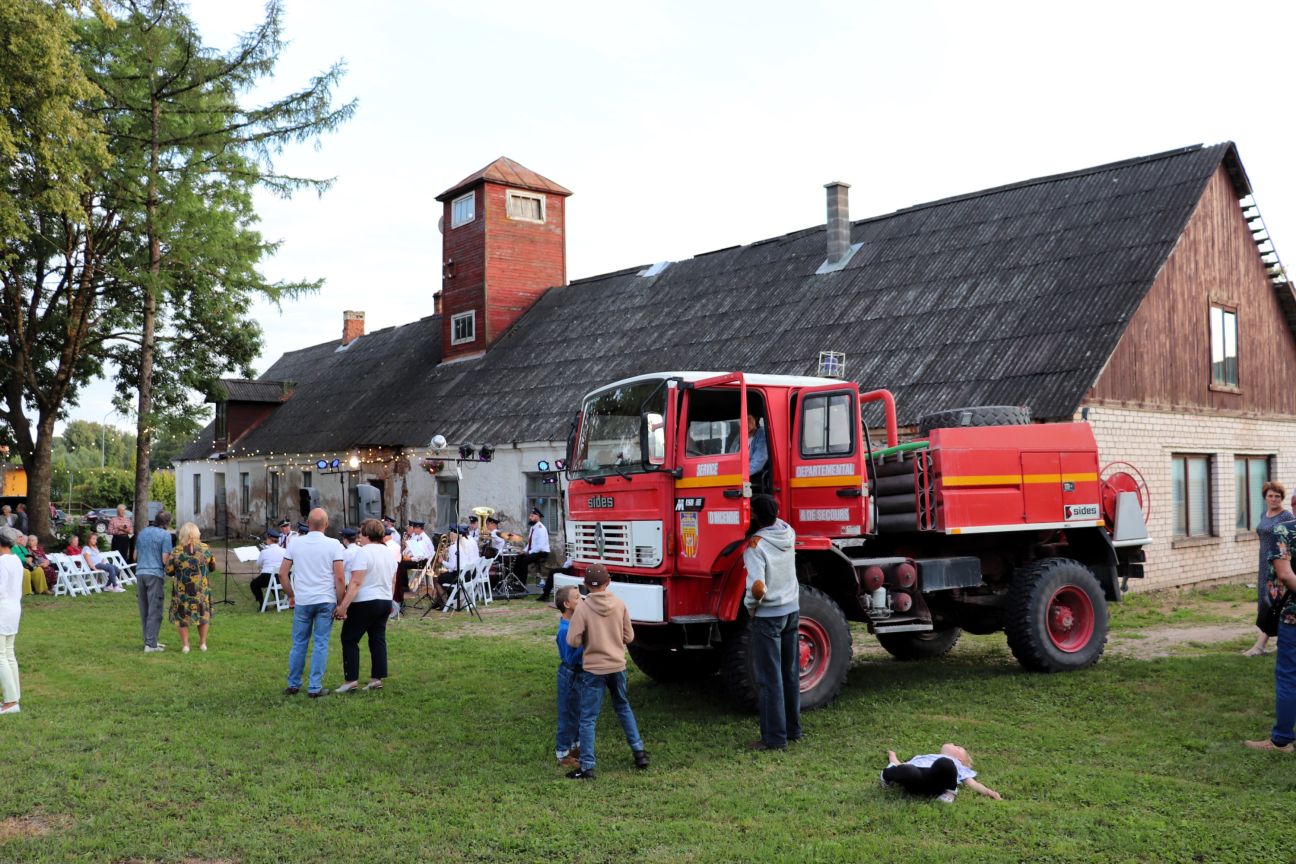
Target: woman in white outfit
11,577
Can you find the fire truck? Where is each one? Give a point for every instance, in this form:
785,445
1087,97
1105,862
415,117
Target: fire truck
984,522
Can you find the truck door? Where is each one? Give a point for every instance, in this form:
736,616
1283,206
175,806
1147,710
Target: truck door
827,463
713,493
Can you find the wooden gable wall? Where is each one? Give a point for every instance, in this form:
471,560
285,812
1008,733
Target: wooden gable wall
1163,358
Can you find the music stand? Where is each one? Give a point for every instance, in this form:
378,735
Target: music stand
225,599
427,572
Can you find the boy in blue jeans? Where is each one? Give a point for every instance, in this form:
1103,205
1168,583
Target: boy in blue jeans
567,747
601,625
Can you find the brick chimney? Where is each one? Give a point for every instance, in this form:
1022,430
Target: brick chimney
503,246
838,220
352,326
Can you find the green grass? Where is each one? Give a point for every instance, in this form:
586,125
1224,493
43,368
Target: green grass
1175,608
119,756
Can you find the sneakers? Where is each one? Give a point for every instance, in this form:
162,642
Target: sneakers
946,797
1270,746
375,684
154,649
291,691
202,647
883,782
184,650
316,694
641,759
581,774
348,687
14,709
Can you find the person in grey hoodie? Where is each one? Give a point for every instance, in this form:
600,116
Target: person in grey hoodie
773,601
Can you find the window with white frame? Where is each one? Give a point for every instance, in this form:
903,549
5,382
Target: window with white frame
1190,495
526,206
463,327
1224,347
1250,473
463,210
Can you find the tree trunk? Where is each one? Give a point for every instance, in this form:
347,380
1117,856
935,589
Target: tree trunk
39,467
144,419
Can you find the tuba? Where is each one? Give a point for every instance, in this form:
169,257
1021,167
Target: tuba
483,536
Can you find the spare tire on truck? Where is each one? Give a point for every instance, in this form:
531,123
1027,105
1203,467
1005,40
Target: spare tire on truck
1057,616
920,645
982,415
824,655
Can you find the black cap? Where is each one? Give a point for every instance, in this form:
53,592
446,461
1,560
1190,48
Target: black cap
303,528
285,521
472,519
537,511
348,532
389,519
492,520
414,523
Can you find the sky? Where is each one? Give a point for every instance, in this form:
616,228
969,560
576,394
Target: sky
685,127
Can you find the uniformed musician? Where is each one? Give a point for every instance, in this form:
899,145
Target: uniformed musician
536,552
418,549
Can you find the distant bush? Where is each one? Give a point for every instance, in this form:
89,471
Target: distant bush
106,487
162,487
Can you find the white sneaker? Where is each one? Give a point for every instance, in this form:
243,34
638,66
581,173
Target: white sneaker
154,649
184,650
202,647
946,797
347,687
12,709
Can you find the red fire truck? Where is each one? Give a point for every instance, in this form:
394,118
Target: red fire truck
984,523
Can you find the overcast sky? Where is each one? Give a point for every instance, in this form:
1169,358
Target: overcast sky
684,127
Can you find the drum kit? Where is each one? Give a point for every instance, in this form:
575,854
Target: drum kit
508,585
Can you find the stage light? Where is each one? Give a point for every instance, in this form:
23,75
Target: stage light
335,463
486,453
542,465
354,461
322,464
466,451
438,442
560,464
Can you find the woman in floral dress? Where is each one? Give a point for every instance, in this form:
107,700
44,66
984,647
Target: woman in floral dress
1274,493
191,564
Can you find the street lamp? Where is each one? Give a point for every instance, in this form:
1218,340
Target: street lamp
103,429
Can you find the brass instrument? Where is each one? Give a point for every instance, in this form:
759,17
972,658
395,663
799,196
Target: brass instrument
429,570
437,561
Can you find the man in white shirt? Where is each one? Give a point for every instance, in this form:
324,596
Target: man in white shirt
268,562
285,531
496,538
537,552
474,529
418,549
316,586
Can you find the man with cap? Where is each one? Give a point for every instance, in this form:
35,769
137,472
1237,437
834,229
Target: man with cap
497,540
350,549
418,549
461,556
285,531
268,562
536,552
474,529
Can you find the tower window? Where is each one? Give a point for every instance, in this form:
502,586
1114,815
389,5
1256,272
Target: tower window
463,210
463,327
526,206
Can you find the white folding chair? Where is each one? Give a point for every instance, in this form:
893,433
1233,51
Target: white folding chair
125,572
481,582
274,595
92,579
74,576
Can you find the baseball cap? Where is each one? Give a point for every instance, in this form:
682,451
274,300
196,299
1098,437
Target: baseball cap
596,575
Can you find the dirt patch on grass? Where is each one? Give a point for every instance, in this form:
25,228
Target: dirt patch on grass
1153,642
32,825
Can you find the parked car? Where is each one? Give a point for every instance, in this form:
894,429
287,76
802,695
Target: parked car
98,517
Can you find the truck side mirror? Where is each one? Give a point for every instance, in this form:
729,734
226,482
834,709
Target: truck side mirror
652,438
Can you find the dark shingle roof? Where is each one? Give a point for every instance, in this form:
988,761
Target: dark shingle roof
1013,295
243,390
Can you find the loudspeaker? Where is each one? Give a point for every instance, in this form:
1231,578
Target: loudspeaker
308,497
368,502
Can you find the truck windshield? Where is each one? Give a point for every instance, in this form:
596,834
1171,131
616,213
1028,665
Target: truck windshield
610,428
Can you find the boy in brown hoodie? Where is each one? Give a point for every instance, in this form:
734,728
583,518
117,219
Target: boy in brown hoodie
601,625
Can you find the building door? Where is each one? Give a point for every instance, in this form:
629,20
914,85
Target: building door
222,506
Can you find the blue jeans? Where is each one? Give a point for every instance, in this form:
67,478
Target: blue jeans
568,709
591,703
778,676
313,621
1285,687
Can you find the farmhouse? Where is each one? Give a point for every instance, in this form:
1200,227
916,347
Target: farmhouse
1143,296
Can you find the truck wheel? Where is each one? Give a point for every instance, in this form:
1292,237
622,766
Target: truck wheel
667,666
1057,616
824,655
926,645
982,415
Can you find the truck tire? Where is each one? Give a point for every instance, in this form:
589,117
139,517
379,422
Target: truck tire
927,645
825,655
982,415
1057,616
667,666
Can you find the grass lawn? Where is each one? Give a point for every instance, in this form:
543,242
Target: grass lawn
120,756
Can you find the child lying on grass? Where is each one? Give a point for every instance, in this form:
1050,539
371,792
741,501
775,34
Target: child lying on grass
935,775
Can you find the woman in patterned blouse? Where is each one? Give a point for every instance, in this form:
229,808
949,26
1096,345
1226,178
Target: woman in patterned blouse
1281,581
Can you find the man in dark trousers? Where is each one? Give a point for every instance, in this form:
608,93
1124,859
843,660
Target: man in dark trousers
774,602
